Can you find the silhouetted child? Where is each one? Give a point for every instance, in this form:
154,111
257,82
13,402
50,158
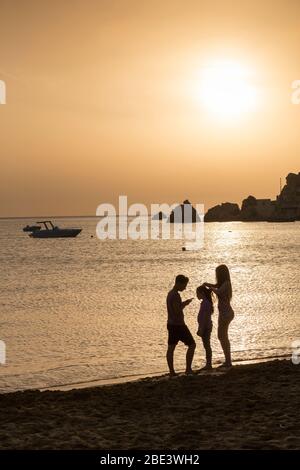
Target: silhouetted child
205,325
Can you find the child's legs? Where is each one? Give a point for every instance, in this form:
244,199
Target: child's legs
207,346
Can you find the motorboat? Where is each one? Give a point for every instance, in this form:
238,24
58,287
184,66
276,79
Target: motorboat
31,228
49,230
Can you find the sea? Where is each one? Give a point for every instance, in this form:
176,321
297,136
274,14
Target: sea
78,312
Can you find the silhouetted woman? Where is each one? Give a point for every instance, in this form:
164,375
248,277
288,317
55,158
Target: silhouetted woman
223,291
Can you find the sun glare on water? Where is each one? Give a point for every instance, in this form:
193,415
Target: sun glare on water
226,90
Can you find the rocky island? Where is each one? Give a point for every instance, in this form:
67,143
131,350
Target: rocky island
184,213
286,207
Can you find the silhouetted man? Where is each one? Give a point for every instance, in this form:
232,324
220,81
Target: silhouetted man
178,331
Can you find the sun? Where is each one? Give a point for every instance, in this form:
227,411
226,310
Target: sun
226,90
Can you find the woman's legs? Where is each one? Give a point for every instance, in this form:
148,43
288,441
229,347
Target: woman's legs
223,338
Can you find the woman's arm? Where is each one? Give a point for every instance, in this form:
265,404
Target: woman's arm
218,290
207,284
212,287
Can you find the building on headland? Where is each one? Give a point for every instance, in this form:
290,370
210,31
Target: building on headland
286,207
288,201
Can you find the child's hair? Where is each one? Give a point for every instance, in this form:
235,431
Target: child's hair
207,292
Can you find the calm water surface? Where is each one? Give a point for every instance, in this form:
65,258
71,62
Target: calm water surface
78,310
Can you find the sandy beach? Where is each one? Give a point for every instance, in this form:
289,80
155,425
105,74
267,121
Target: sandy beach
250,407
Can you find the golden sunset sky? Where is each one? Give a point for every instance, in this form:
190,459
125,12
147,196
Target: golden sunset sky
109,97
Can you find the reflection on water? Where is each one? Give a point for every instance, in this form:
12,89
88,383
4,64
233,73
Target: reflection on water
75,310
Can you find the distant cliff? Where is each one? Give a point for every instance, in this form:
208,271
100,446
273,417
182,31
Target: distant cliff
286,207
288,201
257,209
225,212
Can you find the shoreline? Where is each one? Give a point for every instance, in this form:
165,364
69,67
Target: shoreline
253,406
103,382
137,377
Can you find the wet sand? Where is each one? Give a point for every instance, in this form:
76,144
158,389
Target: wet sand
253,406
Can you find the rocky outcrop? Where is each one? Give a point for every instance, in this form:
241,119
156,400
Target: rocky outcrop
257,209
159,216
288,201
226,212
291,191
286,208
184,213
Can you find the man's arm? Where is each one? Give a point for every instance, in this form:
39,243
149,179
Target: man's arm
186,302
177,304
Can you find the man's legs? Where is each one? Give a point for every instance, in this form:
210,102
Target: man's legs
189,358
170,358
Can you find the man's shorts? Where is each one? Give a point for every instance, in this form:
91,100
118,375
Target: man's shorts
180,333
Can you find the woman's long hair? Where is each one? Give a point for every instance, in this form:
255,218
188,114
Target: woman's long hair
223,275
208,294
